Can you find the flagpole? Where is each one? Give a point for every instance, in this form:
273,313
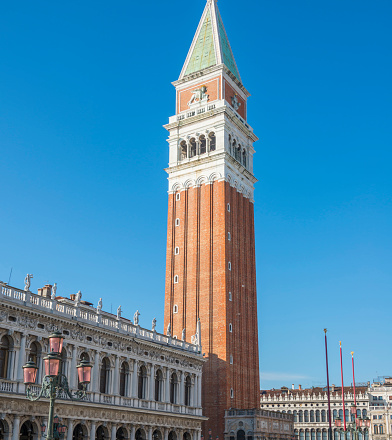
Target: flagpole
355,400
341,370
328,393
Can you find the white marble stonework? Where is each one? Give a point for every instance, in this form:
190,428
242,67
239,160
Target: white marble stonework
131,407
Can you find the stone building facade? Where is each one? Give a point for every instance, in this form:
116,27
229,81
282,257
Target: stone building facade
145,385
258,424
210,259
309,408
380,409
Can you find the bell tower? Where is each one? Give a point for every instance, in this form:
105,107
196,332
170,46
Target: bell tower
210,260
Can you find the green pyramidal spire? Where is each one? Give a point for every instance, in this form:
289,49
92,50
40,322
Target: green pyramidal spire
210,46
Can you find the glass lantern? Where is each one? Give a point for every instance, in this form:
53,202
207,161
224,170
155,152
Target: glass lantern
52,365
43,428
56,420
353,410
338,422
56,342
30,373
84,372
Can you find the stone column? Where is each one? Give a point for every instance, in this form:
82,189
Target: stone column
166,434
134,380
72,373
114,432
70,429
15,428
115,385
132,433
182,388
167,386
21,357
96,373
92,432
199,390
152,383
149,434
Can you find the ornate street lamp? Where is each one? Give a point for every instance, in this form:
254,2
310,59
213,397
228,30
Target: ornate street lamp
55,384
356,427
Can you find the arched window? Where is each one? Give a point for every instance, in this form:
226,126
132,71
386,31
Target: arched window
300,416
188,387
295,414
157,435
244,161
203,144
335,414
311,415
173,388
313,434
79,432
183,150
5,347
307,435
318,435
306,418
192,147
28,431
364,413
376,429
341,414
104,376
230,144
124,378
212,141
325,435
323,416
317,415
142,388
381,429
336,434
240,435
237,152
140,434
301,435
101,433
121,434
158,385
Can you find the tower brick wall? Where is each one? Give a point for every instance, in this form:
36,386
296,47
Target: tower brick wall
206,253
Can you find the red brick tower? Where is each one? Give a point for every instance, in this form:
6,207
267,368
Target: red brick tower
210,267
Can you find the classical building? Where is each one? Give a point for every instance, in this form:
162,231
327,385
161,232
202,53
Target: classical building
380,411
258,424
210,265
145,385
309,408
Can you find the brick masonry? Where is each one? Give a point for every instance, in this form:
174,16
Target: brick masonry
204,283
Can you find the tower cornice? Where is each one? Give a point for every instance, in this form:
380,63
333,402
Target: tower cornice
219,68
224,109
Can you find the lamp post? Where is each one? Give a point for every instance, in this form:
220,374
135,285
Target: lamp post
355,428
55,384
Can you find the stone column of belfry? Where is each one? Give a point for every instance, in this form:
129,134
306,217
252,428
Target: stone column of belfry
210,260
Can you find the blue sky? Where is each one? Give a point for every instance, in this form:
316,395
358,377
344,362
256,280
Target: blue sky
85,88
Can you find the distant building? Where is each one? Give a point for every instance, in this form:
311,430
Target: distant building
309,408
380,412
259,424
